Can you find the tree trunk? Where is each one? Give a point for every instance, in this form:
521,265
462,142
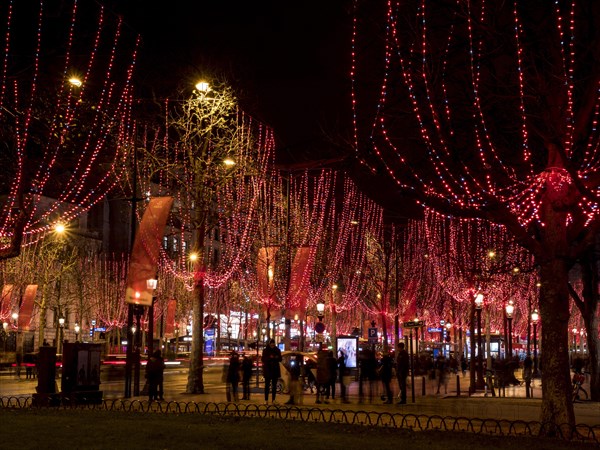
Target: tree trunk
591,325
557,404
195,383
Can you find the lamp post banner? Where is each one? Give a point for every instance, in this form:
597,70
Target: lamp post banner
5,301
27,306
144,256
170,322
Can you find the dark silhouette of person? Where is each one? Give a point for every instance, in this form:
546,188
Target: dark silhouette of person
271,357
402,366
233,377
332,375
528,375
323,378
247,367
387,366
341,366
368,374
154,375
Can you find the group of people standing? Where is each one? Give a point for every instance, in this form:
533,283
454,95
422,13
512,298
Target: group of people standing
326,373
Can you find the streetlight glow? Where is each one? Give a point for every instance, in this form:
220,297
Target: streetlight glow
202,86
535,316
479,300
510,308
74,81
229,162
59,228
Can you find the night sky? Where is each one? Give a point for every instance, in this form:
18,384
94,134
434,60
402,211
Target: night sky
289,60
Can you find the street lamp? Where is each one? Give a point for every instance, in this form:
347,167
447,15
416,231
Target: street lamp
320,310
77,329
478,307
510,309
61,324
535,316
151,285
229,337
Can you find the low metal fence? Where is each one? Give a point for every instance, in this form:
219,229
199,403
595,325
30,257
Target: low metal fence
414,422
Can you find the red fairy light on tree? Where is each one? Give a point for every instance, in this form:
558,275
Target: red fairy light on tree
64,116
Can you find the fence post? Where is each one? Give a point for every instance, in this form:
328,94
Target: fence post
423,385
458,385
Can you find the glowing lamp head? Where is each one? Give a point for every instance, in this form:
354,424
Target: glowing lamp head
535,316
193,257
151,284
61,321
59,228
202,86
510,308
77,328
320,307
15,316
74,81
229,162
479,301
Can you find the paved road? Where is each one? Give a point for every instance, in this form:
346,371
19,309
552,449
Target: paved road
512,407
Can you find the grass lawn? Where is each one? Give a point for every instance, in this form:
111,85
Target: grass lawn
90,429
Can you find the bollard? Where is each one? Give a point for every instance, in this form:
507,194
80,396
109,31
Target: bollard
423,385
458,385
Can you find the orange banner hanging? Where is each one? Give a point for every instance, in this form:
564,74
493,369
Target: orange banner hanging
170,321
27,307
5,302
144,257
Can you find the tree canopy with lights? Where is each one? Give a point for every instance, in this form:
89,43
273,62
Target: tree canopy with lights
489,110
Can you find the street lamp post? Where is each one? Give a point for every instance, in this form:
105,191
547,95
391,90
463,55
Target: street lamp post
319,326
228,337
61,324
151,285
478,307
76,329
535,316
510,309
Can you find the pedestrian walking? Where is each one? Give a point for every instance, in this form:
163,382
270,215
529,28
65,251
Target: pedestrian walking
271,357
323,378
440,371
402,366
341,366
233,377
247,367
385,374
528,375
295,387
332,375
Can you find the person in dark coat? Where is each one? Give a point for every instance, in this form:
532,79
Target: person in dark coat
341,366
322,375
233,377
154,375
332,375
368,374
385,373
271,357
402,366
247,367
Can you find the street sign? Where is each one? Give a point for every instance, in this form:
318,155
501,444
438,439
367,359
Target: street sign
373,335
413,324
434,330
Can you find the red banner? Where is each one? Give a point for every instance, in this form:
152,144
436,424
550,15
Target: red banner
170,320
144,257
5,302
299,282
27,307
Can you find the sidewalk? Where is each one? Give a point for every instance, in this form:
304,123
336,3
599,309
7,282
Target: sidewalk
514,406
